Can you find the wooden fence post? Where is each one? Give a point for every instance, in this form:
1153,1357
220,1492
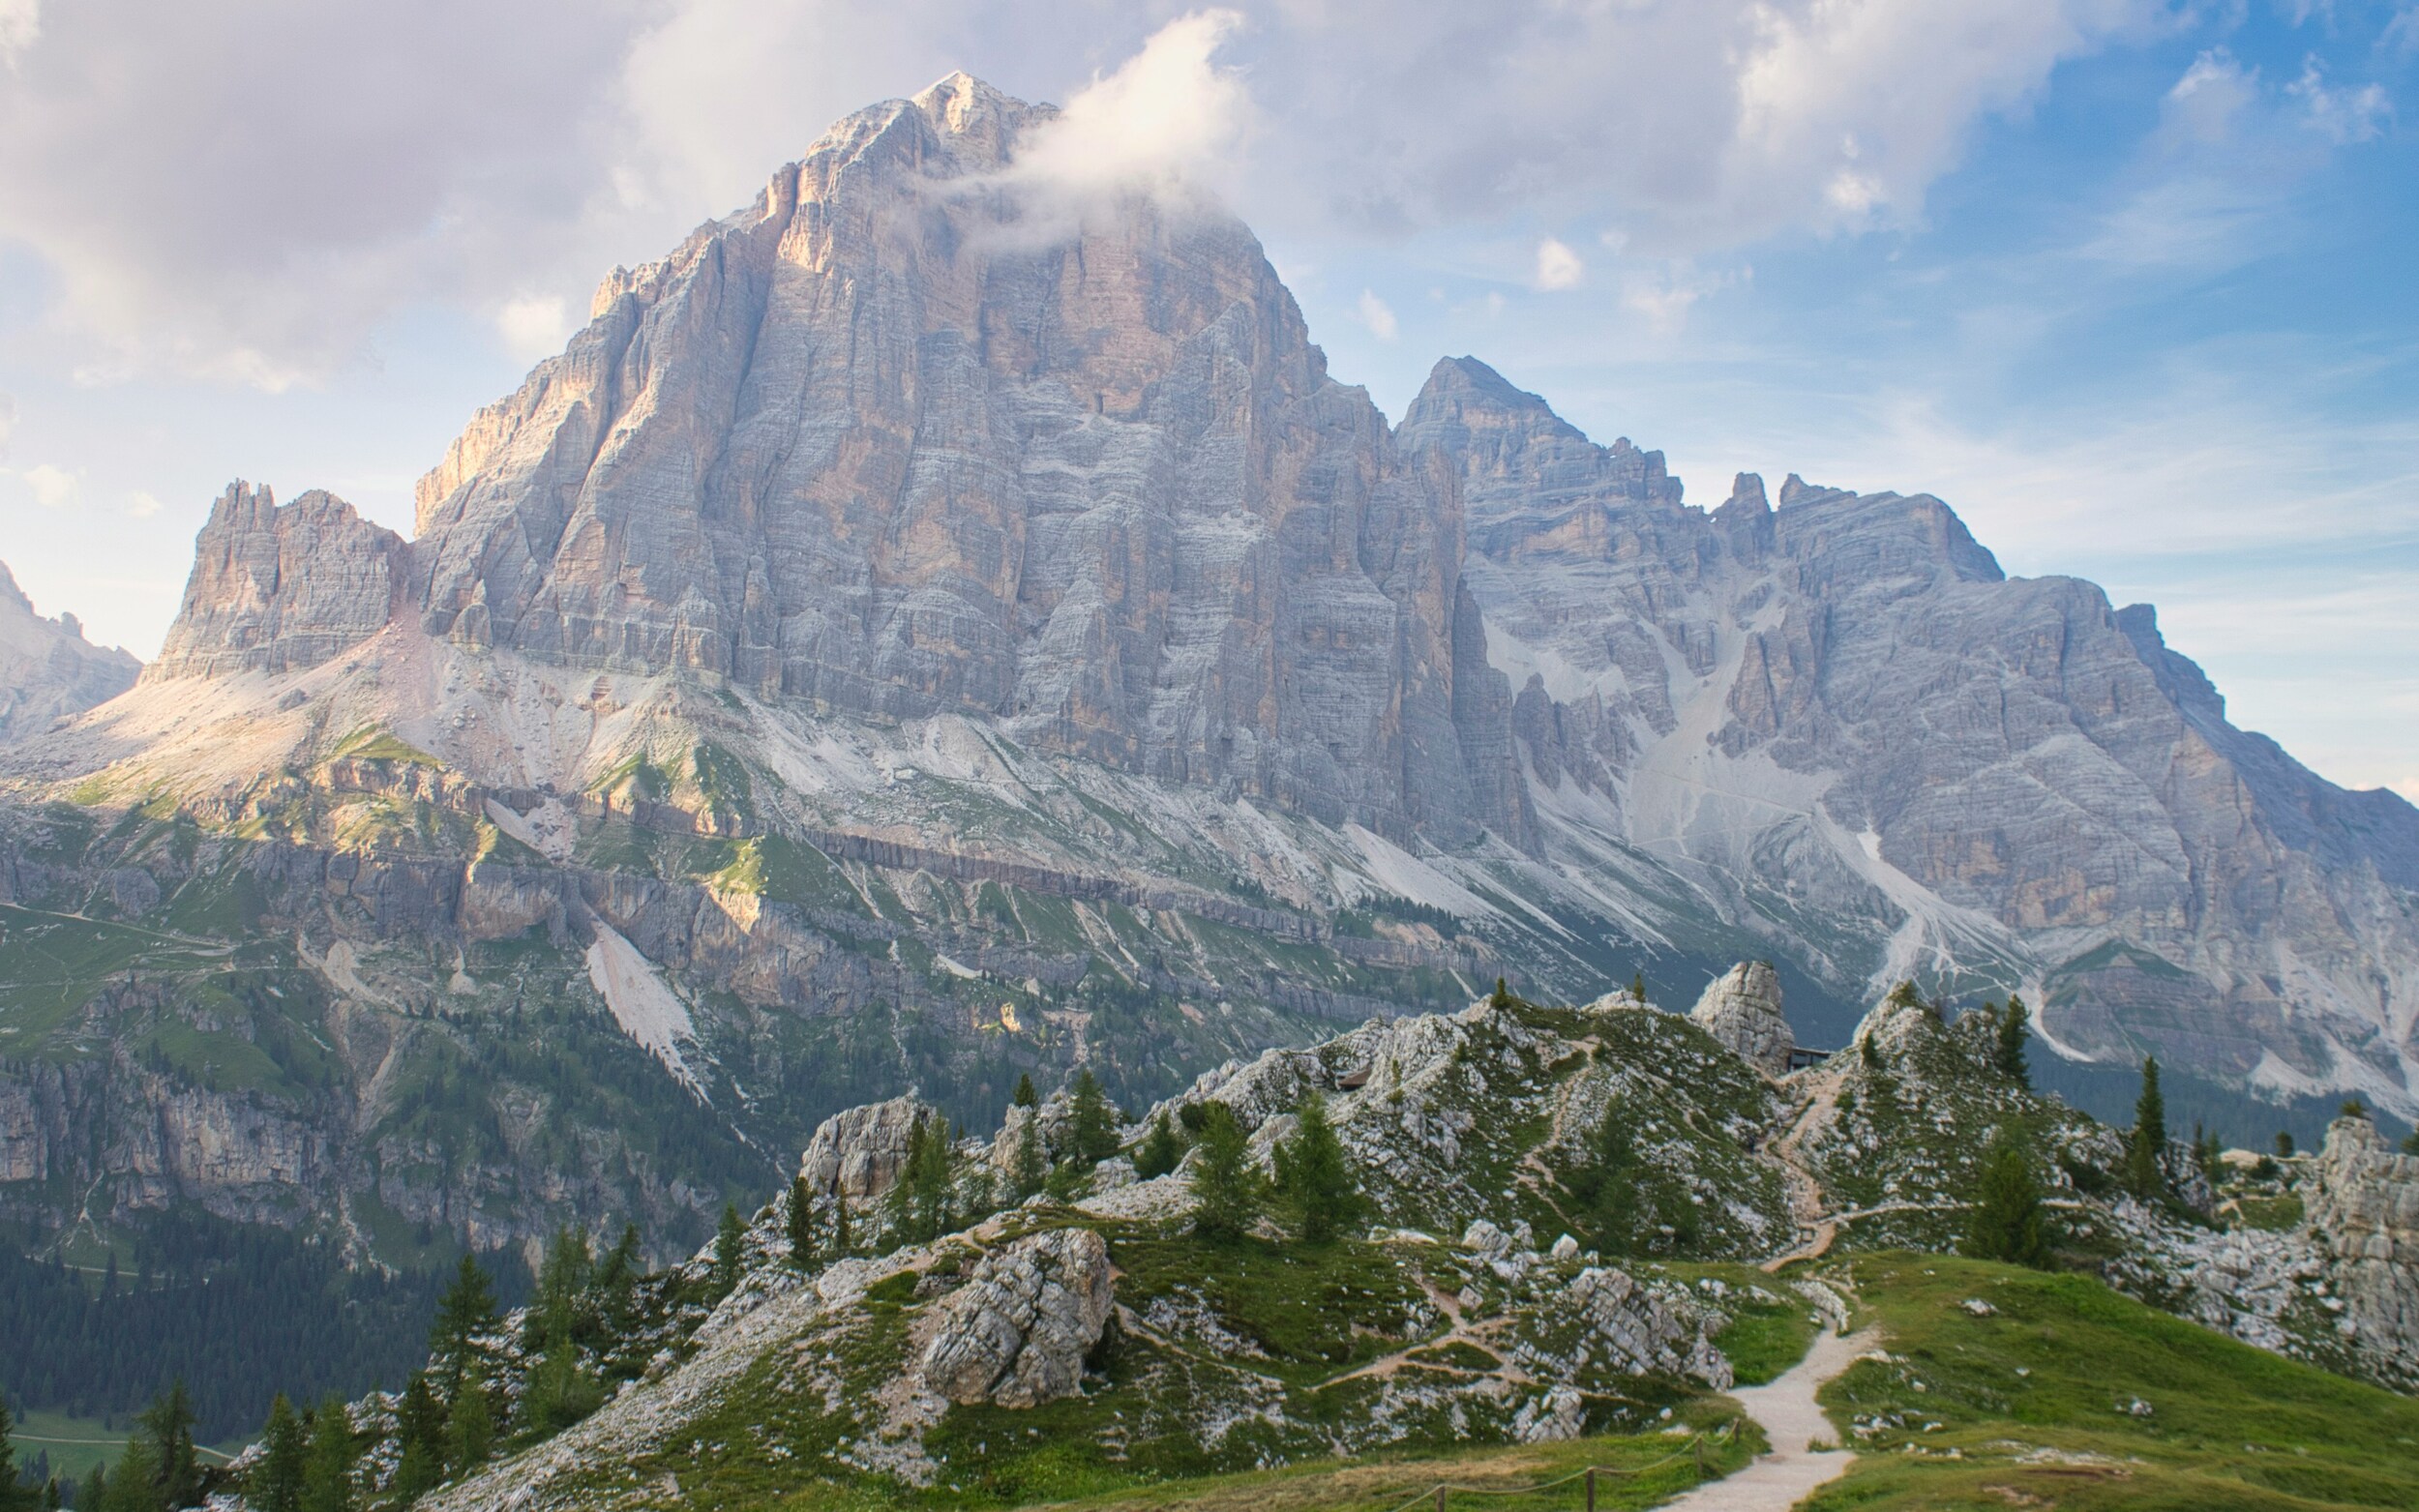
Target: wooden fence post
1591,1488
1439,1498
1699,1446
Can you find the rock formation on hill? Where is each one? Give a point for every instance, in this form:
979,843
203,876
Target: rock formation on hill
47,669
900,642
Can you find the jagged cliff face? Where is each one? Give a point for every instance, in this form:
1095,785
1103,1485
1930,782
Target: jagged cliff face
902,644
1849,729
47,669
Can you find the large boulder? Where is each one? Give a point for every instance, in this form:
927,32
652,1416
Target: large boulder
2364,1208
1647,1331
1742,1009
860,1153
1016,1334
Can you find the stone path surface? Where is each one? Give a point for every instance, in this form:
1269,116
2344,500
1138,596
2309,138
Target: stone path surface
1786,1409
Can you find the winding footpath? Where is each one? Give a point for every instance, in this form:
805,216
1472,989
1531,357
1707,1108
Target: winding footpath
1791,1419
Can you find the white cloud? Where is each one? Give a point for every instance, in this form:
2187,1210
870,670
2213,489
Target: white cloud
1169,122
1664,295
53,487
20,23
1558,266
142,504
2340,115
1375,313
533,326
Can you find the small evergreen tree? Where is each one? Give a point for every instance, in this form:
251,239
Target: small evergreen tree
2353,1108
277,1485
136,1487
1226,1190
1032,1166
2008,1054
168,1424
2006,1222
1606,1187
1868,1051
730,1251
2410,1142
15,1496
93,1495
1090,1123
420,1425
2146,1149
1637,986
470,1426
841,1242
931,1183
1162,1149
2284,1145
1026,1096
1314,1178
328,1473
617,1283
802,1247
466,1311
1501,997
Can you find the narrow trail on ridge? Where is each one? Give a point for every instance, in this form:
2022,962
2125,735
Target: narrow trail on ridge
1809,1204
1792,1420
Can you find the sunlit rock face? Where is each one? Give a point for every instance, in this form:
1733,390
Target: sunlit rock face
879,443
277,588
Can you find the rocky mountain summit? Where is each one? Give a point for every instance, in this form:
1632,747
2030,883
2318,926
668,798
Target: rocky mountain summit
901,642
47,669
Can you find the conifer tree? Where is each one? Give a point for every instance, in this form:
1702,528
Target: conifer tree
467,1311
929,1182
802,1246
328,1473
421,1430
2008,1055
2005,1224
14,1495
2284,1145
1314,1178
841,1242
93,1494
1026,1096
1501,997
1606,1187
1031,1164
1637,986
2146,1149
1091,1125
469,1426
277,1485
136,1487
1161,1150
617,1283
1226,1190
168,1424
730,1251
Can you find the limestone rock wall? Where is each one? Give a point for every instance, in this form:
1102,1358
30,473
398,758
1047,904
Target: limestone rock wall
279,588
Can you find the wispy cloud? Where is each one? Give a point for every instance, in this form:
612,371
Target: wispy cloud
1378,317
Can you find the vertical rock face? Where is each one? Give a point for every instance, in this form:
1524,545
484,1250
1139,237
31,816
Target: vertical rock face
277,588
47,669
1742,1009
875,444
2365,1209
860,1153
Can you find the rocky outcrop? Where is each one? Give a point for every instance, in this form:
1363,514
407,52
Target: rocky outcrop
860,1153
47,669
1647,1331
1741,1010
279,588
2364,1206
1016,1334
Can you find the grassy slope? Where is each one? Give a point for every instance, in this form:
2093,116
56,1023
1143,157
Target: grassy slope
2031,1401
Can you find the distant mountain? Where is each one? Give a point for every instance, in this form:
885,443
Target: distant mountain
897,644
47,669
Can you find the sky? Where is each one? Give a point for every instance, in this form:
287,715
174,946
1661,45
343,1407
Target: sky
2134,284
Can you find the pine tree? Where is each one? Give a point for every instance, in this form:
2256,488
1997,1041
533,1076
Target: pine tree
2006,1222
136,1487
1032,1166
1091,1125
1026,1096
2009,1054
1226,1190
1606,1187
1637,986
277,1485
802,1246
2284,1145
1501,997
466,1311
421,1430
168,1425
328,1474
14,1495
840,1243
471,1427
2353,1108
1314,1178
927,1186
1162,1149
617,1283
2146,1149
730,1251
93,1495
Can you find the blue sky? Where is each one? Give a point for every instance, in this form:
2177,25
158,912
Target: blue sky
2130,284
